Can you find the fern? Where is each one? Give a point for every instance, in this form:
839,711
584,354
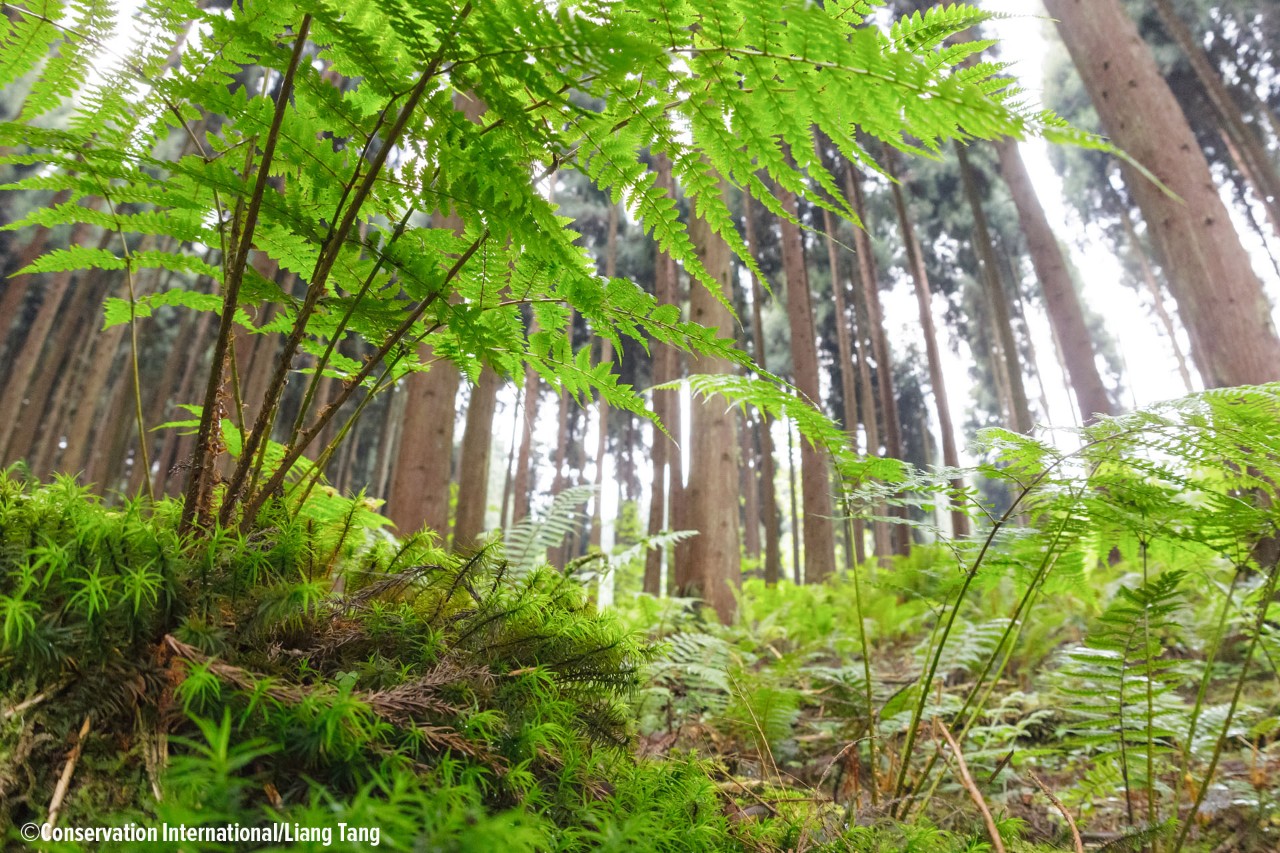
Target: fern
701,85
1122,686
525,544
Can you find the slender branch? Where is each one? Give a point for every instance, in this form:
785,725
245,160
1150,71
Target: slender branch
971,786
1062,810
68,770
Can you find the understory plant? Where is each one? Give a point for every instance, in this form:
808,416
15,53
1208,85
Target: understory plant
1102,654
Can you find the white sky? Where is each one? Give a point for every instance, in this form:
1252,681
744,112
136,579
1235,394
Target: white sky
1149,369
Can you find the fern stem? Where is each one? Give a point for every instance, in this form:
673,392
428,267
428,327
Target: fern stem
1008,642
868,698
200,482
329,252
396,338
145,458
1152,811
1260,619
1205,677
341,328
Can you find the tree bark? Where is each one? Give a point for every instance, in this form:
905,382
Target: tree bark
819,533
1061,301
1244,146
529,417
848,393
602,407
666,405
1219,296
473,467
997,299
933,354
747,473
897,540
764,424
714,566
420,481
13,401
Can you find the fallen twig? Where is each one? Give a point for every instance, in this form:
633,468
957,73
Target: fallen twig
1044,789
68,770
967,781
31,703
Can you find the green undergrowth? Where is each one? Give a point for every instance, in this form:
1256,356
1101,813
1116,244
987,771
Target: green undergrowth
292,675
1105,655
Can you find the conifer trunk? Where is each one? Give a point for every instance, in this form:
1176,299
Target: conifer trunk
997,300
763,424
933,354
420,479
602,407
1219,296
713,570
665,455
473,466
1244,146
529,417
748,470
897,540
13,401
819,532
1061,301
844,348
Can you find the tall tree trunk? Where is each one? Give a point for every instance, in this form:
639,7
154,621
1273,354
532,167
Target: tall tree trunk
900,535
528,419
666,405
16,290
508,478
602,407
1157,296
880,535
1061,301
819,533
797,567
389,441
473,466
764,424
714,564
933,354
1219,296
419,495
1245,147
748,471
997,299
844,348
76,328
23,367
